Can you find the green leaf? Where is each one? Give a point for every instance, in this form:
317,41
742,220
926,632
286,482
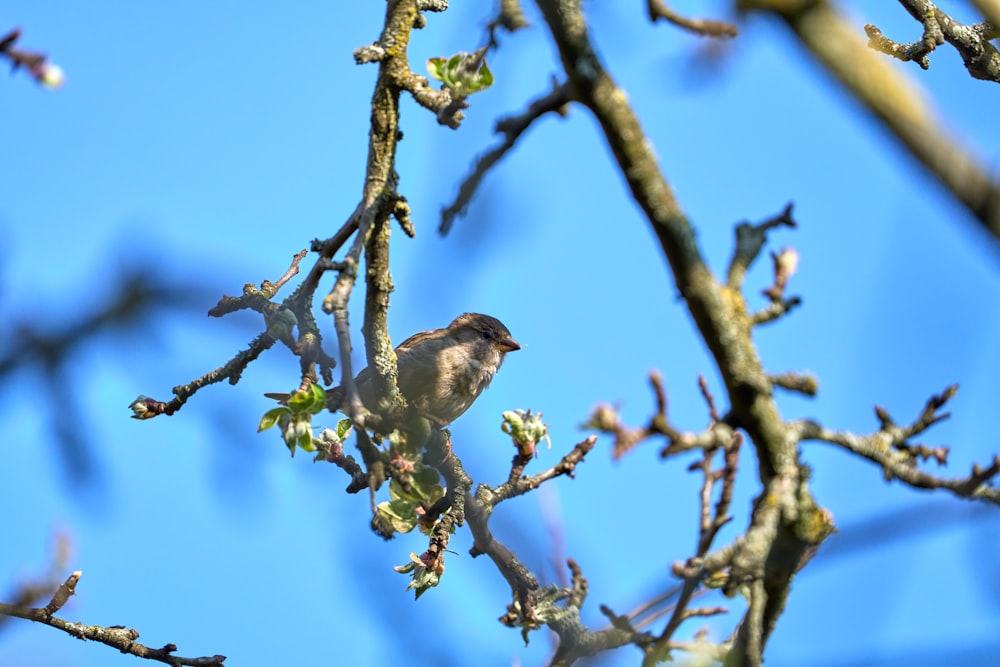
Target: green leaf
406,568
305,442
312,400
401,514
344,428
396,491
422,578
435,67
318,396
425,486
452,71
482,80
525,429
463,73
300,401
272,417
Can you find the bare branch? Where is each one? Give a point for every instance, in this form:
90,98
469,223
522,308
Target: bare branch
292,271
65,591
658,9
833,40
889,448
801,383
144,407
709,399
775,310
518,485
117,637
750,239
254,298
512,127
257,299
605,419
710,524
35,63
981,58
510,17
704,611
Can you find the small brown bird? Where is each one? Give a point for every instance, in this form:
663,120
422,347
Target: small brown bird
442,371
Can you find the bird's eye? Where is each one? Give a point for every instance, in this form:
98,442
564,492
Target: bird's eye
487,334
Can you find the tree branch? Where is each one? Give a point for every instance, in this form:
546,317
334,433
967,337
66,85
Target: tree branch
511,127
972,42
117,637
889,448
658,9
834,42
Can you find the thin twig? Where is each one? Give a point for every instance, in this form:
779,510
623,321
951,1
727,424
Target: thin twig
117,637
512,128
658,9
889,448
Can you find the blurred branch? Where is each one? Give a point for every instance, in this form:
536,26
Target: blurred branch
37,64
750,240
28,593
801,383
644,614
117,637
47,348
658,9
510,17
990,9
887,94
913,521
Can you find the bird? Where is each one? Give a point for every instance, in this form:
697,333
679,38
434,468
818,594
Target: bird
441,371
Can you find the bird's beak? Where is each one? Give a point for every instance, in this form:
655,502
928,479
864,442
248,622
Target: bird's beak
508,345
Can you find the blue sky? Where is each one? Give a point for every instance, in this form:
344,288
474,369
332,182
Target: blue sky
205,144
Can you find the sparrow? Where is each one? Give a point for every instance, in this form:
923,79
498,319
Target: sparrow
441,371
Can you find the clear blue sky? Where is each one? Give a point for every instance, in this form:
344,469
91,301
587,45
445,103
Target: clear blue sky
205,143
